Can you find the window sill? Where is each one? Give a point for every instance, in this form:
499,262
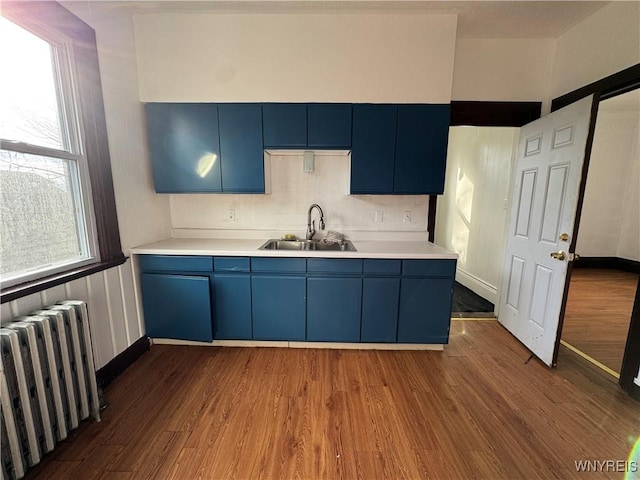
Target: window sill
35,286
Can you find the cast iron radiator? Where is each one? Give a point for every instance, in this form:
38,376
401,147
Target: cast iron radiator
47,383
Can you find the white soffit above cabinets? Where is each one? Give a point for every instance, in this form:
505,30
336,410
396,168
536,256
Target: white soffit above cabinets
476,19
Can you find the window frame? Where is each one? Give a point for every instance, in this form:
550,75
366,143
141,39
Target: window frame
49,17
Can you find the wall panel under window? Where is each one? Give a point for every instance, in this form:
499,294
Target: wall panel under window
114,318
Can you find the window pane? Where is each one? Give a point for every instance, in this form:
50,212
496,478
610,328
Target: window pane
40,215
28,98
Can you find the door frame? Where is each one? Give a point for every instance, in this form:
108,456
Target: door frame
611,86
516,114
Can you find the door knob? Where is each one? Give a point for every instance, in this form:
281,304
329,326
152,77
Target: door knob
559,255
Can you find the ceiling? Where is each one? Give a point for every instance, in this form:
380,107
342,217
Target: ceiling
476,19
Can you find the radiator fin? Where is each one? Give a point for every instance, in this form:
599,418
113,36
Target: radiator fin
48,383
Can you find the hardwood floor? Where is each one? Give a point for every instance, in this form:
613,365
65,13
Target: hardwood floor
476,410
598,313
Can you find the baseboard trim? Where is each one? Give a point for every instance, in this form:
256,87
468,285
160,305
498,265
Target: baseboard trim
121,362
612,263
293,344
477,285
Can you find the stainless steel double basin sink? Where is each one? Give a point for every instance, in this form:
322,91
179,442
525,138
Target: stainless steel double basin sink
309,245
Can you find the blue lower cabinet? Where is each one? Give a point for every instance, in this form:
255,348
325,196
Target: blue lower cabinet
278,307
425,310
232,306
177,306
333,309
380,309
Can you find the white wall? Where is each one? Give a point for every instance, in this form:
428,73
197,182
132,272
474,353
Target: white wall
471,215
506,69
114,319
293,191
610,221
295,57
143,215
604,43
503,69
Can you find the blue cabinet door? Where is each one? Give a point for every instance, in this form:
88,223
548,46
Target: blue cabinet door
425,310
421,149
284,125
177,306
278,307
333,309
241,148
373,148
184,147
380,309
329,125
232,306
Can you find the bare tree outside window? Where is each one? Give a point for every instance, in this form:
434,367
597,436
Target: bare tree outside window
45,223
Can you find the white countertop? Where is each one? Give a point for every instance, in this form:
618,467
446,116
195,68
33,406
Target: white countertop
250,247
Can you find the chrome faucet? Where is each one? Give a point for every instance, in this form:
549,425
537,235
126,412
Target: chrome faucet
311,226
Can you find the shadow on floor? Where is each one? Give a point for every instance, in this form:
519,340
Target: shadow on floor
469,303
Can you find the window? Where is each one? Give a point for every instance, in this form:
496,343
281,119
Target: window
47,221
57,208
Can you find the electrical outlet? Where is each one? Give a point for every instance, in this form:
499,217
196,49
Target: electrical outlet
407,217
231,215
379,217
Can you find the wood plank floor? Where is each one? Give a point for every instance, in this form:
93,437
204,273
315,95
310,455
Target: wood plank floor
599,312
476,410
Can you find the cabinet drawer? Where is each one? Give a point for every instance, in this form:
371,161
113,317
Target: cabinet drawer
285,265
175,263
231,264
382,267
429,268
334,265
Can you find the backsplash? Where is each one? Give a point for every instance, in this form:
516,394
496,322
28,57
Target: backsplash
292,192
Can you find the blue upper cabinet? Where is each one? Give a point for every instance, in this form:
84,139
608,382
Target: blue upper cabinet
184,147
284,125
206,147
421,149
241,148
300,125
329,125
373,148
396,149
399,149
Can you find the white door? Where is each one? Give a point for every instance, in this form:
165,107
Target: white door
548,172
